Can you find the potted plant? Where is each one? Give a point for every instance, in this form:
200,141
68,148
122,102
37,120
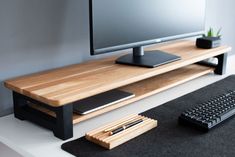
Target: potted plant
213,35
210,40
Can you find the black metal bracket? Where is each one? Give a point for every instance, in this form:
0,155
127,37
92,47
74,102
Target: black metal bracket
222,64
61,124
220,67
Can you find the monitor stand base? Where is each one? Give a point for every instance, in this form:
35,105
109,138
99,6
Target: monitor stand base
150,59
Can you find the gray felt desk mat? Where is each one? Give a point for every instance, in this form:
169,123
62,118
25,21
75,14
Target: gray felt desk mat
170,139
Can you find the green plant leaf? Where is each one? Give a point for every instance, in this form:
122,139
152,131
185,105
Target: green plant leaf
210,32
218,33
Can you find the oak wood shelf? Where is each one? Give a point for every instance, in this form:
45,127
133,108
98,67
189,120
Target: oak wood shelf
53,92
145,88
152,86
68,84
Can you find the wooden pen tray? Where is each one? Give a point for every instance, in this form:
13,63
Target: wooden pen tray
104,139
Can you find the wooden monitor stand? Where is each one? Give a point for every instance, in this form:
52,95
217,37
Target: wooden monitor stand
47,98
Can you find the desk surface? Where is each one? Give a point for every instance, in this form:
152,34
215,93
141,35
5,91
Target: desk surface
69,84
169,138
41,142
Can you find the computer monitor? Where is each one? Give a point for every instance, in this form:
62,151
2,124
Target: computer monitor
123,24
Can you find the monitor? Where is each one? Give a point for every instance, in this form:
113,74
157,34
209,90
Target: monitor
123,24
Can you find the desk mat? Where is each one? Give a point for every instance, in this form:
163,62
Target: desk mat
170,139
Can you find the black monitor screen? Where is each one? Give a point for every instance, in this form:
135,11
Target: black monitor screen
121,24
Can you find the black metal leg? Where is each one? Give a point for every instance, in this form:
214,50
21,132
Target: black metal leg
222,64
19,103
61,124
64,122
220,68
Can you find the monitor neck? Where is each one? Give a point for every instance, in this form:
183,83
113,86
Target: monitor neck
138,51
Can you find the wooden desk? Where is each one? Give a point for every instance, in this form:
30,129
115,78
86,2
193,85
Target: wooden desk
47,97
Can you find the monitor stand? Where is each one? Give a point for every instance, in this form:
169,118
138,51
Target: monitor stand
150,59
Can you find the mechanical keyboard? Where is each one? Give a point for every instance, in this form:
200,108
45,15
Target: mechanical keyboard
210,113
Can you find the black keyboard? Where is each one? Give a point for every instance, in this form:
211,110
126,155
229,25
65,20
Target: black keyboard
210,113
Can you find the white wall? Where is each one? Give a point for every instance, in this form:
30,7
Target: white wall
221,13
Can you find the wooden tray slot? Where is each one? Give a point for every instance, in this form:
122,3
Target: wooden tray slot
108,141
